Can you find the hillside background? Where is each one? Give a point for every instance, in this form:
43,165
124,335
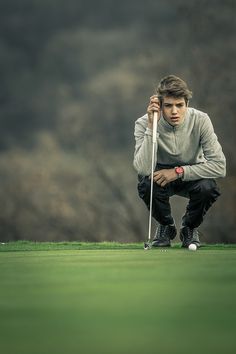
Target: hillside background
75,75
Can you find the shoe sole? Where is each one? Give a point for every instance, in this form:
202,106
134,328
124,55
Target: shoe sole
161,245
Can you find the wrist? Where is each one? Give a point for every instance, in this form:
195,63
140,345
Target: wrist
179,171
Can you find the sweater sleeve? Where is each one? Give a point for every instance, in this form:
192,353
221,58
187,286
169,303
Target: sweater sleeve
143,148
214,165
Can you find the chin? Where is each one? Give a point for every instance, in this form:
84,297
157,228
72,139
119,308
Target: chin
174,124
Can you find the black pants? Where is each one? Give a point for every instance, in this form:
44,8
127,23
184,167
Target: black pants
201,193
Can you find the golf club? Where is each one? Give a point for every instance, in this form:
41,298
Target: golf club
148,245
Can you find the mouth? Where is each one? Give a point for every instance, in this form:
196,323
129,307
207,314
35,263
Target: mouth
174,119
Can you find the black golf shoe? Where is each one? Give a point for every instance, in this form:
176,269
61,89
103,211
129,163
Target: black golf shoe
164,234
188,236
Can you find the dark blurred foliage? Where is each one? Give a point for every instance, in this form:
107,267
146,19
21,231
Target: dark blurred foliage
74,77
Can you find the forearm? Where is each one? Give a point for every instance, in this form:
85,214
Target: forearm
208,169
143,154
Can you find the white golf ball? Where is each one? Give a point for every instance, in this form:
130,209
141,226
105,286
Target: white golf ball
192,247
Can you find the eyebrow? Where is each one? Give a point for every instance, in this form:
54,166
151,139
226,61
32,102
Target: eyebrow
172,104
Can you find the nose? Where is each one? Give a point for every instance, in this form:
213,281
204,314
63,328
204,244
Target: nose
174,109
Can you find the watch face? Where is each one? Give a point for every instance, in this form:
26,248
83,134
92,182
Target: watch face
179,170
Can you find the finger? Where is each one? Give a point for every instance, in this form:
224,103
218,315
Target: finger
154,99
158,173
153,96
153,107
156,177
154,104
163,184
160,179
160,183
156,109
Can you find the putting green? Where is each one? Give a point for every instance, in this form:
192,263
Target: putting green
118,301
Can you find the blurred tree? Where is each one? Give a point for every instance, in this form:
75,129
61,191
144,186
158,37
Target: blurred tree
75,76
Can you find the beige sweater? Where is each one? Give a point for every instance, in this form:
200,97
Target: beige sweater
193,145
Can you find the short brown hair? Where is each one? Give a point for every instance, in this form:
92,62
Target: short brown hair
173,86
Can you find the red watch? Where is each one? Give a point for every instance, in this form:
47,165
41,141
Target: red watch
179,171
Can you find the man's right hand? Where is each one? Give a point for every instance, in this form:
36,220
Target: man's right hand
154,106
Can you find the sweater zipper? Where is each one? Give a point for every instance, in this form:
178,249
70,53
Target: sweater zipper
175,140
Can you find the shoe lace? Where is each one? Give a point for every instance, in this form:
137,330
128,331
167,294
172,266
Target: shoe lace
189,234
162,231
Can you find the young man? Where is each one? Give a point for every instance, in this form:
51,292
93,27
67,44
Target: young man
189,158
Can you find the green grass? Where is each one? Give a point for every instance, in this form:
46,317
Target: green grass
49,246
115,298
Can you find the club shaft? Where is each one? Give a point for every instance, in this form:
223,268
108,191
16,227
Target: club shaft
154,135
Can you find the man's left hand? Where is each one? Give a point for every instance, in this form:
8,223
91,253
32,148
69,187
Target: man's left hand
163,177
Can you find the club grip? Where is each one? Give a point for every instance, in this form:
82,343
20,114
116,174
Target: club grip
154,132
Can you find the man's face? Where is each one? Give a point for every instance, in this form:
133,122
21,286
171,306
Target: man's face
174,110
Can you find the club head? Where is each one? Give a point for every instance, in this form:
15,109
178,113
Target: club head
147,246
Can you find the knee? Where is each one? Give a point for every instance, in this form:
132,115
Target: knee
208,189
144,186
